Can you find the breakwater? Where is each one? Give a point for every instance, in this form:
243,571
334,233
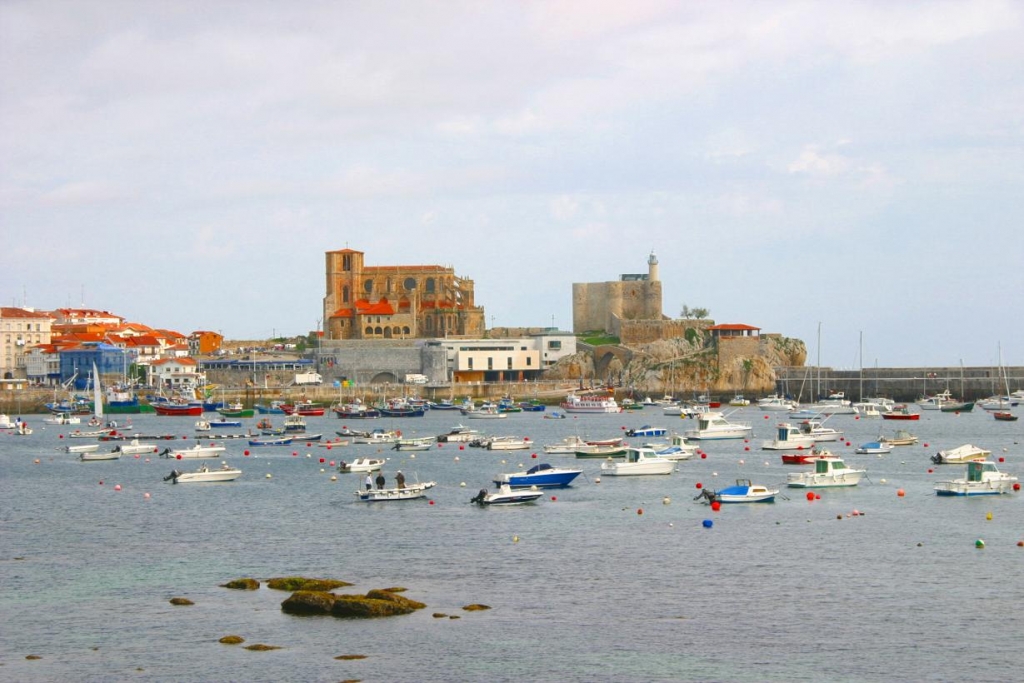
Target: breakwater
900,384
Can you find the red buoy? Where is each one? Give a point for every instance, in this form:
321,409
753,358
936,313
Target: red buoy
810,495
716,506
699,485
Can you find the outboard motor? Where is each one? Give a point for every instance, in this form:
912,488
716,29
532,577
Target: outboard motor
173,475
479,498
937,459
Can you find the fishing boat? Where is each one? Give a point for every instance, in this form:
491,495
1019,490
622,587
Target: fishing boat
270,441
97,457
5,421
875,448
236,410
424,443
273,408
355,411
136,447
827,472
901,438
307,408
982,479
647,430
401,408
713,426
599,451
935,402
554,415
459,434
62,419
508,443
82,448
961,455
21,428
743,492
788,437
638,461
196,451
204,474
541,476
361,464
533,406
505,495
819,432
168,408
408,492
223,423
738,401
1004,416
295,423
957,407
567,446
488,411
378,436
900,412
590,404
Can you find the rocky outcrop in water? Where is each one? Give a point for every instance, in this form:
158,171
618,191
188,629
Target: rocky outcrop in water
376,603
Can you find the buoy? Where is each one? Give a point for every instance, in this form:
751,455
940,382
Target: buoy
716,506
268,475
296,453
515,539
707,523
334,477
597,480
535,455
554,497
322,470
412,456
699,485
1020,544
810,495
930,470
666,500
979,543
703,456
1016,487
817,496
839,516
462,448
101,482
924,445
847,443
900,492
146,495
742,462
881,481
639,511
462,484
178,456
117,487
331,463
1002,459
746,448
766,417
137,456
856,512
456,458
989,516
321,461
431,502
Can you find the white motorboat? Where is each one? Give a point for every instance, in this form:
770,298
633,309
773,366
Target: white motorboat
204,475
961,455
488,411
95,456
827,472
788,437
378,436
743,492
203,426
901,438
638,461
776,403
408,492
136,447
868,410
566,446
361,465
459,434
676,449
416,444
713,426
5,421
197,451
738,401
22,429
83,448
982,479
62,419
875,448
506,495
590,404
936,402
508,443
819,432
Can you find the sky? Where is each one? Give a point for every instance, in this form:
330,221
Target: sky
851,172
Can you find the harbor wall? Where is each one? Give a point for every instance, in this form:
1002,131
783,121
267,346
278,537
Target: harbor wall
900,384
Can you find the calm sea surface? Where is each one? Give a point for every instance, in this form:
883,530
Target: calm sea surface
592,590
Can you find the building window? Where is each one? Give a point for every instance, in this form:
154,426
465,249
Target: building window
529,361
344,294
368,286
470,363
431,286
405,331
410,284
346,262
490,363
554,345
509,363
369,331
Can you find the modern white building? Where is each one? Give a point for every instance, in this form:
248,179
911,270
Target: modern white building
498,360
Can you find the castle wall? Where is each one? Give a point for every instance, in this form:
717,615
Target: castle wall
632,332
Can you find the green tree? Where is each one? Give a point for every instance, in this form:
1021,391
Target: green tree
694,313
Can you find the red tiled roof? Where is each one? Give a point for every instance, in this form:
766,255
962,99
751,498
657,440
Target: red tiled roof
10,312
733,327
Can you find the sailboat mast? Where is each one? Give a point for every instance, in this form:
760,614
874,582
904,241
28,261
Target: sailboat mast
862,366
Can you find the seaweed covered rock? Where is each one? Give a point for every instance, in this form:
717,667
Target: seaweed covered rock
391,597
260,647
347,657
232,640
476,607
181,601
309,602
302,583
242,584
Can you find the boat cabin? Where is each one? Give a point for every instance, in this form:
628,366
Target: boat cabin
976,470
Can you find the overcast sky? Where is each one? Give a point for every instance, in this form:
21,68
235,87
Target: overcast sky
853,165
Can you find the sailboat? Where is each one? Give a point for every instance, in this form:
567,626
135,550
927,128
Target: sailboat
97,398
960,406
1002,410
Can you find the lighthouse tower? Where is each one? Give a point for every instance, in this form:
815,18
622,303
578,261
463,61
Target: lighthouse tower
652,268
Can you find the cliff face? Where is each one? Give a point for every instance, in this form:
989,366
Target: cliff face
686,365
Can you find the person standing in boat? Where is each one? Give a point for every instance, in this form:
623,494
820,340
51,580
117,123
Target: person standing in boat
381,480
369,482
400,479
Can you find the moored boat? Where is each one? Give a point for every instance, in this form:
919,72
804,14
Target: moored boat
505,495
590,404
196,451
788,437
713,426
361,465
96,457
638,461
960,455
423,443
982,478
178,409
508,443
270,441
307,408
900,412
408,492
647,430
541,476
827,472
743,492
874,448
901,438
204,474
1004,416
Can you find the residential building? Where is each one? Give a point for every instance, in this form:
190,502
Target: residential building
20,329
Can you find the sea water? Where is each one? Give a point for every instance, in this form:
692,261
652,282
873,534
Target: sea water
612,579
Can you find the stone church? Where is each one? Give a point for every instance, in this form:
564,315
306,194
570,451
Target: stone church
397,302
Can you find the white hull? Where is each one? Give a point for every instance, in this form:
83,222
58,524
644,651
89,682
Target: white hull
712,434
410,492
195,452
95,457
507,444
85,448
812,480
961,455
624,469
137,448
207,476
362,465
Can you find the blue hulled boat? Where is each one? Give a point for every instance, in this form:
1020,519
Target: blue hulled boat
541,476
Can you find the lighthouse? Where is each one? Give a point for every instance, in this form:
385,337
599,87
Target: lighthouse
652,268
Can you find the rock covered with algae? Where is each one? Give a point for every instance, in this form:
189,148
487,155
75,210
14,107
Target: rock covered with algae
376,603
232,640
242,584
181,601
302,583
